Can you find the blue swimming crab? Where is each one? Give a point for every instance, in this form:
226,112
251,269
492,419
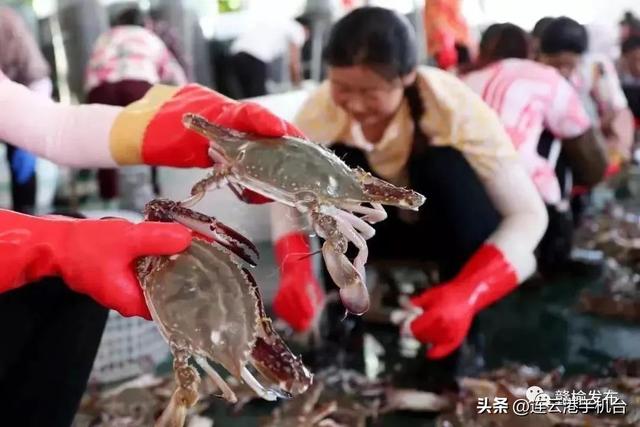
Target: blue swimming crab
207,306
311,178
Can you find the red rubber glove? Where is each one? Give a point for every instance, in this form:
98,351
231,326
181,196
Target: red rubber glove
167,142
94,257
450,307
299,295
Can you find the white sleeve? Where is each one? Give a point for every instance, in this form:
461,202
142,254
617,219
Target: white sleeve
613,87
285,220
295,33
43,86
68,135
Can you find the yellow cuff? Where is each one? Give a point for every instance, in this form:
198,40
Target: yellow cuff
127,133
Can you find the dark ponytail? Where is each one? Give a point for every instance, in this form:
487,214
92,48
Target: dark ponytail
374,37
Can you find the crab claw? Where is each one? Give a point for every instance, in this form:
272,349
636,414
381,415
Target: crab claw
235,242
211,228
353,292
381,191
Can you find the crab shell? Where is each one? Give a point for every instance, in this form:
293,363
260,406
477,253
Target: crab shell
310,168
313,179
206,303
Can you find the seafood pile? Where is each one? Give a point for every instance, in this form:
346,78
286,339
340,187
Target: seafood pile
137,403
347,398
621,295
517,382
615,232
344,398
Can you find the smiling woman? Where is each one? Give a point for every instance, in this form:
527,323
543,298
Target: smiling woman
422,128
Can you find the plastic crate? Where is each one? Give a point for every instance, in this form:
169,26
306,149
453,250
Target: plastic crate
130,347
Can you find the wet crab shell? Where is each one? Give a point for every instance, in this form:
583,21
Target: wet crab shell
201,299
204,301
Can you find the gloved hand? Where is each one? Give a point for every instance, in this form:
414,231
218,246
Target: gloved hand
23,165
299,296
150,131
94,257
449,308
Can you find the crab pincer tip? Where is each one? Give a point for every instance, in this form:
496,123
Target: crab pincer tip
355,298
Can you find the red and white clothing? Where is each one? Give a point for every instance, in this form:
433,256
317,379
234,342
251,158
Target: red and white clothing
528,98
132,53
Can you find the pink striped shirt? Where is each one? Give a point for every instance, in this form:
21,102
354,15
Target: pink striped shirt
528,98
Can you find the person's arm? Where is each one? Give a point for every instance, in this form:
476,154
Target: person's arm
569,121
299,295
507,257
94,257
42,86
68,135
619,135
295,64
586,157
149,131
296,36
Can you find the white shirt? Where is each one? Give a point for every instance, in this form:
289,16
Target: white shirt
267,41
597,77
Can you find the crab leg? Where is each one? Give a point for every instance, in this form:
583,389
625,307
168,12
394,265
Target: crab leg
251,381
217,155
211,228
271,390
185,395
227,393
372,215
215,180
353,292
365,230
324,411
348,230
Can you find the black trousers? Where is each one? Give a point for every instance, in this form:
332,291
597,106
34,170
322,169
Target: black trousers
49,338
251,74
23,196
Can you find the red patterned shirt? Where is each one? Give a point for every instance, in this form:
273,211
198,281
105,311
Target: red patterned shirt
528,98
132,53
